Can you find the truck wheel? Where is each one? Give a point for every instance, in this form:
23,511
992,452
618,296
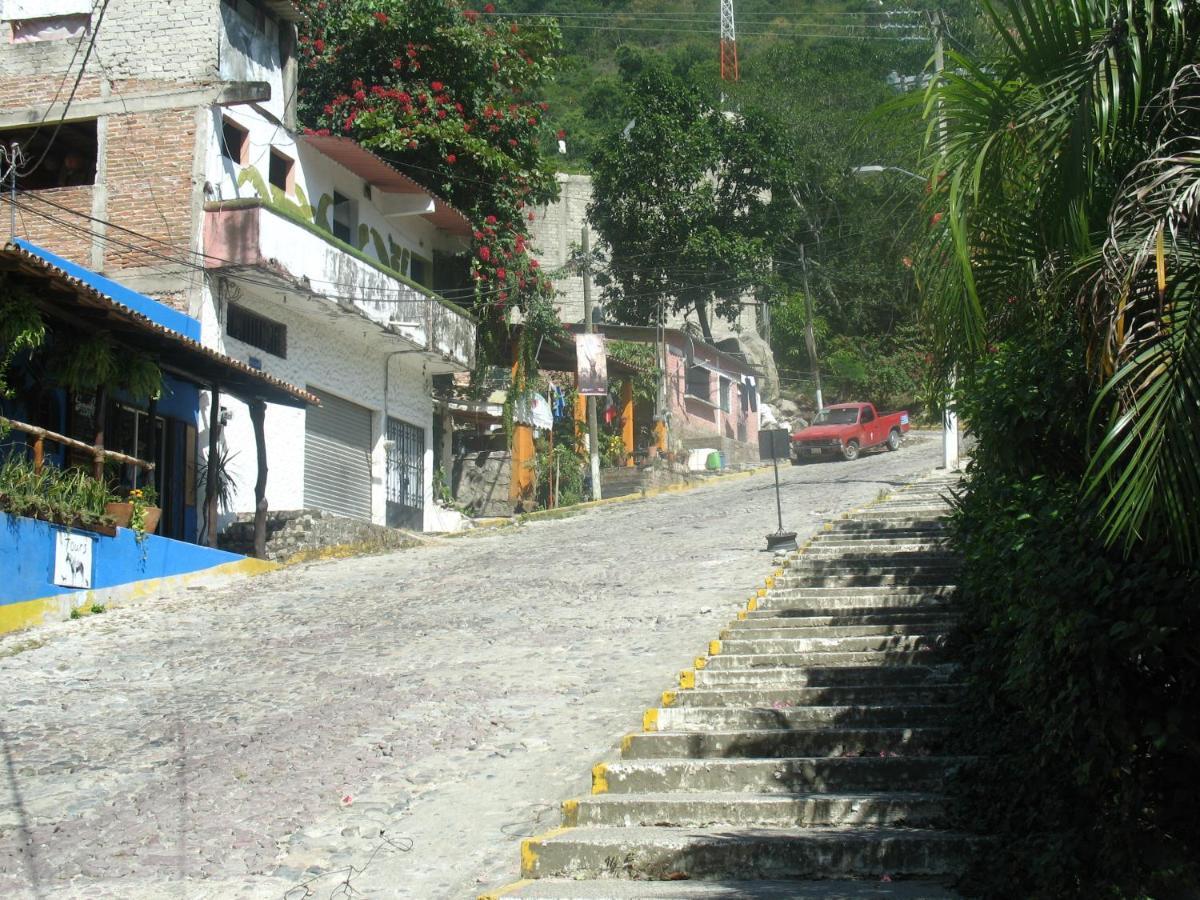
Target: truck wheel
893,441
850,450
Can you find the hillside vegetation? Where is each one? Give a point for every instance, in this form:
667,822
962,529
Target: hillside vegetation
814,75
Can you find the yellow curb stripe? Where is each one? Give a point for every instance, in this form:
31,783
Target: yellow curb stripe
57,607
752,605
506,890
687,679
668,698
714,648
741,615
650,720
700,662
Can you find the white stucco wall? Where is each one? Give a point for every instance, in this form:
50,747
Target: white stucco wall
316,174
333,350
346,360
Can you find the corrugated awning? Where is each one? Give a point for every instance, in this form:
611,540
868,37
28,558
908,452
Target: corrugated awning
69,295
381,174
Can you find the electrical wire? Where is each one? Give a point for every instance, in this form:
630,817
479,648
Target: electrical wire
66,74
74,89
361,294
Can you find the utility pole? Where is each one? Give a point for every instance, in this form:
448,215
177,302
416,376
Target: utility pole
14,156
810,338
950,460
593,441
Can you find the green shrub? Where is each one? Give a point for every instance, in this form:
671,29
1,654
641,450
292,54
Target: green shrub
60,495
1080,664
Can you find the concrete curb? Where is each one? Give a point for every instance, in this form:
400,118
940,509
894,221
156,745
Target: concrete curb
564,512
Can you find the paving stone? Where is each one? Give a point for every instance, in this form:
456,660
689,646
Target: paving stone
143,739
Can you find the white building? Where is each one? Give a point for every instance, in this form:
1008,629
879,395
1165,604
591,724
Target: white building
307,257
321,258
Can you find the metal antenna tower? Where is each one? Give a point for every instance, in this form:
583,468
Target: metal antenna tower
729,59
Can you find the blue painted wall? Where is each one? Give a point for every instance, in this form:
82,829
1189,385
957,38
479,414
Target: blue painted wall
27,559
147,306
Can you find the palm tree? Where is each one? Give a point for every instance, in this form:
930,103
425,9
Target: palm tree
1065,171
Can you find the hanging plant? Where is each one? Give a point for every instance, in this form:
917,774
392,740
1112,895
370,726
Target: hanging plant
21,328
97,362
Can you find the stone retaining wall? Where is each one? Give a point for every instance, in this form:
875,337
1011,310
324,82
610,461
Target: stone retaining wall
299,534
481,481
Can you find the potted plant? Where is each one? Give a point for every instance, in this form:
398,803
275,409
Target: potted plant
138,512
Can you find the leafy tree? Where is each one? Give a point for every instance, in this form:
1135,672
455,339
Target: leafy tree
1067,178
855,233
1058,274
680,200
450,96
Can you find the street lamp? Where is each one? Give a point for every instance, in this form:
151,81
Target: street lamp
862,171
949,417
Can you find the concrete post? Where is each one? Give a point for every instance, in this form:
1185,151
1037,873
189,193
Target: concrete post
581,421
521,484
258,411
627,419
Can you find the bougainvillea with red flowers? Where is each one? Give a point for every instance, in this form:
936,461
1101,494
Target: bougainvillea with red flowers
449,94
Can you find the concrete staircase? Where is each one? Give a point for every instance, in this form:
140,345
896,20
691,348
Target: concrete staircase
802,756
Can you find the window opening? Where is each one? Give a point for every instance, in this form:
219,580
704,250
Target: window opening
257,331
724,394
698,383
343,218
235,142
867,415
418,270
51,28
282,172
67,160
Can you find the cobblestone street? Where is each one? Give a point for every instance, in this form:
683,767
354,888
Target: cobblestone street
410,715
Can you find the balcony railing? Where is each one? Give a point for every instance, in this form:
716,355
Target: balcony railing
285,246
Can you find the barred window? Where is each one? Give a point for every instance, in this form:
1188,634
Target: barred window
257,331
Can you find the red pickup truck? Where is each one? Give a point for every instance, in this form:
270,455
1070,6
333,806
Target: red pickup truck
847,429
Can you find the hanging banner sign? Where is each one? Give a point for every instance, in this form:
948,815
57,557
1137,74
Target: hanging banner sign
592,365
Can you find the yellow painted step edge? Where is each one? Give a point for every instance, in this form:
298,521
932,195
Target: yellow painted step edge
570,813
600,778
529,854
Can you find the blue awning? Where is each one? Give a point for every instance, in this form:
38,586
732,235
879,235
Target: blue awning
156,312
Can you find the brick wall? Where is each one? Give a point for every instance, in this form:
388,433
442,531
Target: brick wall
150,189
51,235
172,40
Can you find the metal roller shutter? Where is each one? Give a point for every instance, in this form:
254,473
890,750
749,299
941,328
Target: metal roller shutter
337,456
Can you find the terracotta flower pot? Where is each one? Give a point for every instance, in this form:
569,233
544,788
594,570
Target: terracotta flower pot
120,513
